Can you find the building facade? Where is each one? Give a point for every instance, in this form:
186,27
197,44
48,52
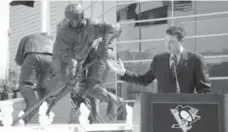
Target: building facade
144,24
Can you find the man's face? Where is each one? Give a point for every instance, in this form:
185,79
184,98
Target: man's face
76,21
172,44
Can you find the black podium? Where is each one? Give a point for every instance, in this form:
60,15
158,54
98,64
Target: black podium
180,113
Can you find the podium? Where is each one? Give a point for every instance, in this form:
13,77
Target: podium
180,113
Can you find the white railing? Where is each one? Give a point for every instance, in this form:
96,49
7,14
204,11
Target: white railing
176,17
162,39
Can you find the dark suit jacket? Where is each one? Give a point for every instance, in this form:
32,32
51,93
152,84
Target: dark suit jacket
191,73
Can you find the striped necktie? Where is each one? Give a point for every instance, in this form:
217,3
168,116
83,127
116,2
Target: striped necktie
174,72
174,58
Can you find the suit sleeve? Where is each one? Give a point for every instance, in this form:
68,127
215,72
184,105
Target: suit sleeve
144,79
202,79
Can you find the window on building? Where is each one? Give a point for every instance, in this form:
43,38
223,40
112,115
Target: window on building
87,8
97,9
212,45
126,14
125,50
219,86
217,66
152,10
211,6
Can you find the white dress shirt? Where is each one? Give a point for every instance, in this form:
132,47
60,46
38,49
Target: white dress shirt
178,56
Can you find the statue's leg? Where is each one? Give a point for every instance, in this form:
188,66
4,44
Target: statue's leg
28,77
95,89
63,77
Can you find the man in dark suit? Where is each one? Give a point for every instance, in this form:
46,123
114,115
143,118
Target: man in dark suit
176,71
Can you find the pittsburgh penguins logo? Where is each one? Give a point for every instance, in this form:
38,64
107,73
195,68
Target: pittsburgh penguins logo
185,117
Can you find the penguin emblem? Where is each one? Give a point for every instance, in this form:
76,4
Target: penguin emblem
185,117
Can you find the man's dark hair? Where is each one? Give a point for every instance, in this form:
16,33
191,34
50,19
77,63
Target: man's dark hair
177,31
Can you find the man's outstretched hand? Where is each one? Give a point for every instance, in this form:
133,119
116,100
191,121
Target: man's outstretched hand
117,67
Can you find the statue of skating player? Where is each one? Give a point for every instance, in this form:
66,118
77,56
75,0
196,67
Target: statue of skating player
34,56
73,42
96,75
